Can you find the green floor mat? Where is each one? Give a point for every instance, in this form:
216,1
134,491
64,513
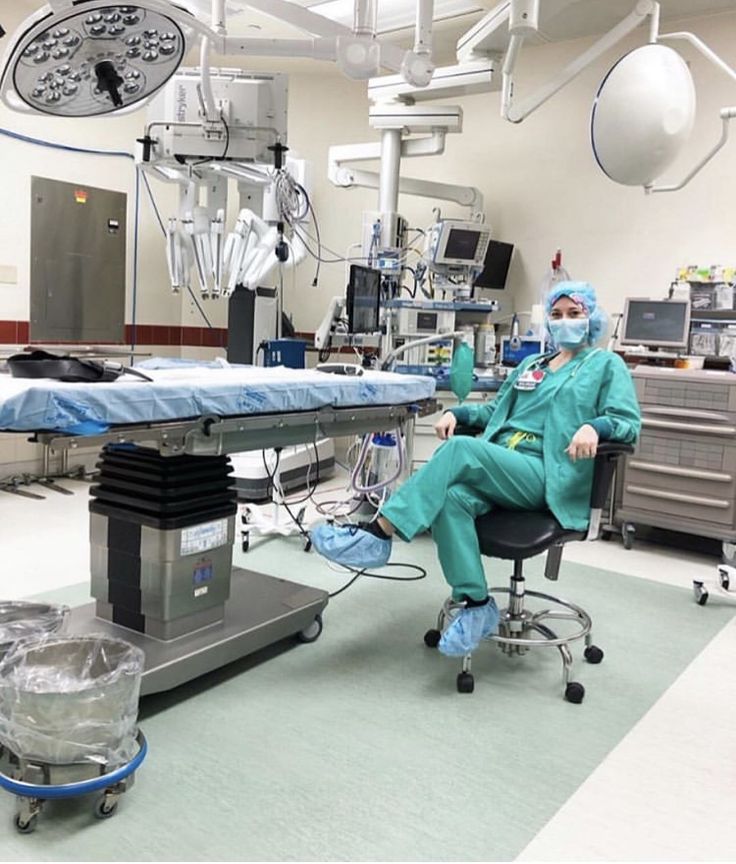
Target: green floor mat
358,747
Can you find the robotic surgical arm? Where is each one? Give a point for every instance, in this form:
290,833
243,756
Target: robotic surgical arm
251,251
247,257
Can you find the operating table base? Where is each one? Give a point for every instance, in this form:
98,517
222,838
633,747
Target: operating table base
261,610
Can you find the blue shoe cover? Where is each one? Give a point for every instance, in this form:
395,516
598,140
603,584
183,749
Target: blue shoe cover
351,546
467,628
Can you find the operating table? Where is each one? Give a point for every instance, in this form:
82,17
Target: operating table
162,514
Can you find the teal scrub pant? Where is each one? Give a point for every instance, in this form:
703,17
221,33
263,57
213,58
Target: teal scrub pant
463,480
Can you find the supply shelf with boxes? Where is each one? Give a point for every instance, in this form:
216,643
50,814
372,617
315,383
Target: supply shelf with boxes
712,311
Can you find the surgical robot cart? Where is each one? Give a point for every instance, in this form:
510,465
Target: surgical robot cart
162,523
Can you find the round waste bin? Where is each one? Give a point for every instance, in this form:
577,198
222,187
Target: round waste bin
20,619
71,699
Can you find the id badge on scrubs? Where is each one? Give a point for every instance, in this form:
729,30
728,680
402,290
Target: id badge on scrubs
529,380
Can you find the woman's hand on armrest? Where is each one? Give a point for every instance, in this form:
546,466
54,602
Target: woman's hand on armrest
445,427
584,443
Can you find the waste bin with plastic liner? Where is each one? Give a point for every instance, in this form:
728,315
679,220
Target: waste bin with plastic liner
21,619
68,713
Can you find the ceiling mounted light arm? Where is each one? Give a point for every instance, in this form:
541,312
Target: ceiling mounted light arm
727,114
704,50
360,55
517,113
423,30
219,24
314,48
365,18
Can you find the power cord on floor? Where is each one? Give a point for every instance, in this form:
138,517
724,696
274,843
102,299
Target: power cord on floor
359,573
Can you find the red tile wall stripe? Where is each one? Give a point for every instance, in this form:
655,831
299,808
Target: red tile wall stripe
17,333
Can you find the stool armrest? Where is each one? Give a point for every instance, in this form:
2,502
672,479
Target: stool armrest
467,431
607,455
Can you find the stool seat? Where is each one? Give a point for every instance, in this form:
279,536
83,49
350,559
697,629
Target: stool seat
519,534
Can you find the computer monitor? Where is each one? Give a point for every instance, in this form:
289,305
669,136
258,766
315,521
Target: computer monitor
457,243
496,266
656,323
363,299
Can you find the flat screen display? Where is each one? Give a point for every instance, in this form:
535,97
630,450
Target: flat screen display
496,266
655,323
363,299
462,244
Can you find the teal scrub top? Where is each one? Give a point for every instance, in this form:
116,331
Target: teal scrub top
597,389
529,409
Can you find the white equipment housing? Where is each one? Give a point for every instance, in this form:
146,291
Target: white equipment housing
417,320
297,468
253,107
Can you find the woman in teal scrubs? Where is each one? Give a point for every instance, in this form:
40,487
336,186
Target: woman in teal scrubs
536,452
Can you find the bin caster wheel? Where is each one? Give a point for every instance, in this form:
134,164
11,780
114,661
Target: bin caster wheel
25,826
465,682
432,638
605,535
574,692
307,545
593,654
724,580
105,807
311,632
701,593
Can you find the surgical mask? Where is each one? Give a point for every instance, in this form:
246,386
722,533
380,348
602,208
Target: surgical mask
569,332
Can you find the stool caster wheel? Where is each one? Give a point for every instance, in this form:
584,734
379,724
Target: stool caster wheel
724,579
605,535
25,826
246,543
574,692
701,593
628,532
465,682
311,632
105,807
593,654
432,638
307,545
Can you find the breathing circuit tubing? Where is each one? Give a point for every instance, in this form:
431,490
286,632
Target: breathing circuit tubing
360,464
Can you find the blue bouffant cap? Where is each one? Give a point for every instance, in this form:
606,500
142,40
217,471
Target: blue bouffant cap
583,294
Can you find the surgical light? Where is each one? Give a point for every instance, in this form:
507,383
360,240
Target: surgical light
91,59
643,115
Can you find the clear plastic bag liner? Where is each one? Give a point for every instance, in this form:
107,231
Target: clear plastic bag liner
71,699
20,619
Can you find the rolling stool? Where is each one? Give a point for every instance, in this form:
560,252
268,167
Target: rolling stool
517,535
